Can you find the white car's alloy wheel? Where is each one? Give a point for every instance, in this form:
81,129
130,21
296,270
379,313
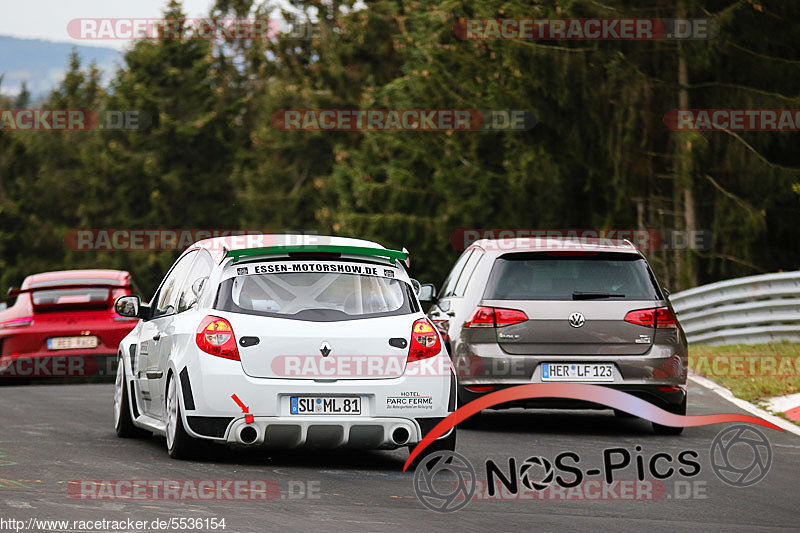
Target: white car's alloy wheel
123,423
172,413
119,388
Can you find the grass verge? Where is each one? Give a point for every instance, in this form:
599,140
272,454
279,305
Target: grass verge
752,372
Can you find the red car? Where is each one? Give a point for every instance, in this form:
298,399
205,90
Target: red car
63,324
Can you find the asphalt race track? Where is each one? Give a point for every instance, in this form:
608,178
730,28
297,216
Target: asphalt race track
56,437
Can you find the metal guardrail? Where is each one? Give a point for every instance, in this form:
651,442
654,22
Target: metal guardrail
751,310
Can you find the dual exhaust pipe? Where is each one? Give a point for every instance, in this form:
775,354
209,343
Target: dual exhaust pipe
400,435
248,435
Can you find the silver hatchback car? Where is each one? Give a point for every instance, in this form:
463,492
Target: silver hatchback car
519,311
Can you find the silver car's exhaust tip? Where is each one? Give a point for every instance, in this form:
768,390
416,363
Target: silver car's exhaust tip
400,435
248,435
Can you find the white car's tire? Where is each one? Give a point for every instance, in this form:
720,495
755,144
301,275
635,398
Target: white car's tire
439,445
123,423
179,444
473,422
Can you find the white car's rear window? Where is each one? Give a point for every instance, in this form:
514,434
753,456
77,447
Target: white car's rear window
316,291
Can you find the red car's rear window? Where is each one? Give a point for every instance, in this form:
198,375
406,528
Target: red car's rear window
69,296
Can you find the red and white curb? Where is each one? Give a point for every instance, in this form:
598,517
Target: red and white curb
782,423
789,405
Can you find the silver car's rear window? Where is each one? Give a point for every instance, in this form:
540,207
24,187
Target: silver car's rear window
315,296
570,276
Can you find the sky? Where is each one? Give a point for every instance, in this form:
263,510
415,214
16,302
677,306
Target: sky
48,19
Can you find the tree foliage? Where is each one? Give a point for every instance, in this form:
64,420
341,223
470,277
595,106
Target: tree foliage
600,155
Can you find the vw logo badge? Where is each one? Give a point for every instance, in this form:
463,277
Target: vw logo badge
576,320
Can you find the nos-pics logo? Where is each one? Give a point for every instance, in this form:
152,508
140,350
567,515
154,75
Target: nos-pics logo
443,495
445,481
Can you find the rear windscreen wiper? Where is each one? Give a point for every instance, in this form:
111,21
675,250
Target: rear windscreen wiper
593,295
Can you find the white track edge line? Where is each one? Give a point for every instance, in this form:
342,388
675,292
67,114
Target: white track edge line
747,406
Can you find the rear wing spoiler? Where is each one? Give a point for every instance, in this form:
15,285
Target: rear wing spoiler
12,293
392,255
60,305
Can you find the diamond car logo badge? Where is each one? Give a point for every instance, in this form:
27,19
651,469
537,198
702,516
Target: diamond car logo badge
325,349
576,320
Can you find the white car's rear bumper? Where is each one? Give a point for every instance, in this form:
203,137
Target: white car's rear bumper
210,412
325,432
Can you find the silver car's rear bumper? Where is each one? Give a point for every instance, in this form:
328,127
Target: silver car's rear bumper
658,376
666,397
487,363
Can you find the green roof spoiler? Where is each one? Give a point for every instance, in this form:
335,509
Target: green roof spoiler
320,248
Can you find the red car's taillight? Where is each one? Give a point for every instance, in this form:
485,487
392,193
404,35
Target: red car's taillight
491,317
17,322
424,341
215,336
657,317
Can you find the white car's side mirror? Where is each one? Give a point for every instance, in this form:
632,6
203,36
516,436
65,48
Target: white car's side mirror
127,306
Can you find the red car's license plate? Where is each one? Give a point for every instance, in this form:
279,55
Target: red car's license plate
72,343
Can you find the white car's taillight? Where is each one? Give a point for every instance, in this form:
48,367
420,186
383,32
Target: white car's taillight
215,336
424,341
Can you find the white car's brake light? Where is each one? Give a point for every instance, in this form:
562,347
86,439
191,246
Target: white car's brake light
215,336
425,341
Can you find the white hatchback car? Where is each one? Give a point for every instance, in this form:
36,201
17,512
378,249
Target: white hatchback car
261,341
